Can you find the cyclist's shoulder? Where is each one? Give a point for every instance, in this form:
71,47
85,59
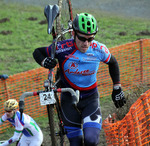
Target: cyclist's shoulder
98,47
97,44
18,115
66,42
65,45
3,117
25,118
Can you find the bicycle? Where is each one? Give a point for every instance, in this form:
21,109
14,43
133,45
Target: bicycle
65,15
49,96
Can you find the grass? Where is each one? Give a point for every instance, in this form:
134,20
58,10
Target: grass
20,36
21,33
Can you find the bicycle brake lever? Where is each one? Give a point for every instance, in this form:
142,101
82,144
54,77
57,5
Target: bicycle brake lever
75,100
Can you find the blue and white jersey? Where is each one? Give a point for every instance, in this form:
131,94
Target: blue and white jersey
27,125
78,70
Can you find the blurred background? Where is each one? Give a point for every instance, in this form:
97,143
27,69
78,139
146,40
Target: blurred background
129,8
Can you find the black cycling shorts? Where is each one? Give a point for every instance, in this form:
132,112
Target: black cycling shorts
89,108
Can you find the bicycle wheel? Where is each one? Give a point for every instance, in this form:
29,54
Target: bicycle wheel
65,15
56,125
50,110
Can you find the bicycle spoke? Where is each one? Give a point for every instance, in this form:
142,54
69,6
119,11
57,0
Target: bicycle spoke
64,16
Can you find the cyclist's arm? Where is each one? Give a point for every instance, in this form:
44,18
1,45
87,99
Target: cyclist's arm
3,119
114,70
39,54
13,139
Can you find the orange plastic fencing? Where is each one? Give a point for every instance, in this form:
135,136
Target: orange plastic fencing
16,85
134,128
134,64
133,59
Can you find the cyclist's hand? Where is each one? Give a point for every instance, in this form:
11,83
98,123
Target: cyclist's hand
49,63
118,97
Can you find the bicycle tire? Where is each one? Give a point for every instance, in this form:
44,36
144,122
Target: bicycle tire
50,110
57,133
65,15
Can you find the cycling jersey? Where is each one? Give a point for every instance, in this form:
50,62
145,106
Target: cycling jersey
26,126
78,70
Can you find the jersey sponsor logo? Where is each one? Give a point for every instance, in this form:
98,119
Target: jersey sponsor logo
101,49
71,56
93,45
65,45
77,72
62,50
89,59
90,54
73,65
106,50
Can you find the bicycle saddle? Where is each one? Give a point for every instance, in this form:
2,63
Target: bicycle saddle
51,12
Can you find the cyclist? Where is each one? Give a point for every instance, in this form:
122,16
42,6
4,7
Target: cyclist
79,60
27,127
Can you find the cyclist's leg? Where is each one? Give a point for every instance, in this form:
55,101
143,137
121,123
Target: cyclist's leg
75,135
37,139
23,141
72,121
92,120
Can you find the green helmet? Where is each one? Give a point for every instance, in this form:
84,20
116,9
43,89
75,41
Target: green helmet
85,23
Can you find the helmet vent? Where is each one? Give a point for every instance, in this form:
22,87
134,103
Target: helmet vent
88,29
83,25
88,23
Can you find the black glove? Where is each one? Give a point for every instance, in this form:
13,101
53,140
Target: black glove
49,63
118,97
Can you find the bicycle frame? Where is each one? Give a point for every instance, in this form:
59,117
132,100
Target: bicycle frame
51,13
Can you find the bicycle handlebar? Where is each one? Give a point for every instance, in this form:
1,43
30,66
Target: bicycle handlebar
74,94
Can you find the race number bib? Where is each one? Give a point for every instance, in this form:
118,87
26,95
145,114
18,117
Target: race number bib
47,98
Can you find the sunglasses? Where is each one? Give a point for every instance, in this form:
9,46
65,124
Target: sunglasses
83,39
8,111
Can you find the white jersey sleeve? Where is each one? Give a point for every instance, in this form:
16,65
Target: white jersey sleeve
3,119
